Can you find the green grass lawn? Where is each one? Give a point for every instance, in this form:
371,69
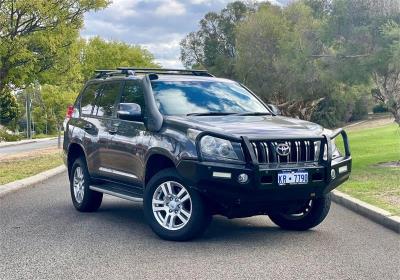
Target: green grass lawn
16,169
369,182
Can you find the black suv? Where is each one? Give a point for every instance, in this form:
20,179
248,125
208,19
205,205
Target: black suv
190,145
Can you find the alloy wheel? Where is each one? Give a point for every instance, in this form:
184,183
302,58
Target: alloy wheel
172,205
78,184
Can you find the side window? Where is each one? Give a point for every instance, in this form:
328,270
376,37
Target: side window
88,96
133,93
105,103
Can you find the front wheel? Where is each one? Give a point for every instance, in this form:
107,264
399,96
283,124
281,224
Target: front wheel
309,215
173,210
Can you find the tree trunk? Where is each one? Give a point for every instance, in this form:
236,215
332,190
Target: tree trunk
396,114
59,136
388,92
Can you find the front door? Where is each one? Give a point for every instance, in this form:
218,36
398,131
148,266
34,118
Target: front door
130,142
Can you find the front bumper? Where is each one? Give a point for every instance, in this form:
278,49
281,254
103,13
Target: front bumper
218,182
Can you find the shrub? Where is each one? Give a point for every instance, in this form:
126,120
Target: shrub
5,136
380,108
360,110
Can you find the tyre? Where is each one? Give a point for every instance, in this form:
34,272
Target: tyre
173,210
311,214
83,198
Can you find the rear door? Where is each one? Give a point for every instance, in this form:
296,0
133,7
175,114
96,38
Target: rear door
104,115
89,126
131,140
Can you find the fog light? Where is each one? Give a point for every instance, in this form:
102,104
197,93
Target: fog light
342,169
333,174
224,175
243,178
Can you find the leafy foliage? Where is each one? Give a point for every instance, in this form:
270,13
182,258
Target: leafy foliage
36,35
100,54
214,45
9,109
311,58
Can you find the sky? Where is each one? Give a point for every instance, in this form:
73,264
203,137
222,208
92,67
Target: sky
157,25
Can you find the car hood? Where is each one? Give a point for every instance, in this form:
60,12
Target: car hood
252,126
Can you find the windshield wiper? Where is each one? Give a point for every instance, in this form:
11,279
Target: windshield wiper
253,114
210,114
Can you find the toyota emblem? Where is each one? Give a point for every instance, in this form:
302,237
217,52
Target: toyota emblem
283,149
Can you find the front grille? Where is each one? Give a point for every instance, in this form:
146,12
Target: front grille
300,151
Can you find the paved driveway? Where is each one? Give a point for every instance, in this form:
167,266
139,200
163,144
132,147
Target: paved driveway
43,237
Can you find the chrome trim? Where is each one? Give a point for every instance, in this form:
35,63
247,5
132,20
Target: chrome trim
255,150
307,145
116,172
131,198
265,145
306,151
297,151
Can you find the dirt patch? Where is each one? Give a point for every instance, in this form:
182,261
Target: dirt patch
392,200
389,164
370,124
25,155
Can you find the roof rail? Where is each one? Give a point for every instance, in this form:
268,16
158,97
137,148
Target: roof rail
131,71
168,71
104,73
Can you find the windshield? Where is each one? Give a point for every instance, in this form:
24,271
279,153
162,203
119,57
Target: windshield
202,97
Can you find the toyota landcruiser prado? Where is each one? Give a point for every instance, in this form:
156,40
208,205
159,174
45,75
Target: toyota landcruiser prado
190,145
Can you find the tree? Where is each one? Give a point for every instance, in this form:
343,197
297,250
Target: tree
97,53
32,33
9,109
214,45
55,102
275,49
364,42
387,77
38,43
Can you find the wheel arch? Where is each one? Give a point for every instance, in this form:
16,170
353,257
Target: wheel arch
156,161
75,150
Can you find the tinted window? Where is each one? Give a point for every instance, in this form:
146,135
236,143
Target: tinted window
185,97
88,97
105,103
133,93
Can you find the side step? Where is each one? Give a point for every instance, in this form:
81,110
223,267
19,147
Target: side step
111,190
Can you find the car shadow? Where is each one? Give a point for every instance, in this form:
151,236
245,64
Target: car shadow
127,216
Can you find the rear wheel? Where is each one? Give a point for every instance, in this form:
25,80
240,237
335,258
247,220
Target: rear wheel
83,198
173,210
309,215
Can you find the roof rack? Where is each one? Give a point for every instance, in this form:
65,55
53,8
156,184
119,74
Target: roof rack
131,71
169,71
104,73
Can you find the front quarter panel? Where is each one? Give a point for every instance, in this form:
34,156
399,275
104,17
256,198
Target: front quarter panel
173,144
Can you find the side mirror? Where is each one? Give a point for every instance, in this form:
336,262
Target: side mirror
274,109
130,112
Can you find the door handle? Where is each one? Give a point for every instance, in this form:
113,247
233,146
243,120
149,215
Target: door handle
114,128
87,126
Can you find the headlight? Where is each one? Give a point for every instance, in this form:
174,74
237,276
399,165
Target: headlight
213,148
335,151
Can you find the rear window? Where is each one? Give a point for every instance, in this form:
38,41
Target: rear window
88,97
